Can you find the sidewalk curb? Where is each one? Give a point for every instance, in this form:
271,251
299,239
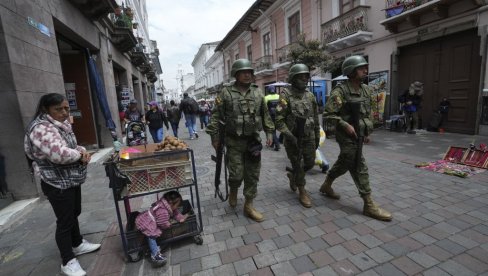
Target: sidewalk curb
15,211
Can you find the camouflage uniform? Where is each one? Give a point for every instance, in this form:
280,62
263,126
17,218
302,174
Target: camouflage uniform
293,104
337,113
245,115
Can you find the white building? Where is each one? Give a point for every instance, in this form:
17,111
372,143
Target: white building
215,74
199,69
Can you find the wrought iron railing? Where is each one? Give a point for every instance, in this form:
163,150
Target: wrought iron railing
346,24
282,53
263,63
396,7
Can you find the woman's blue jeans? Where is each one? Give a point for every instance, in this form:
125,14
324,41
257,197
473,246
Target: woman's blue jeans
157,134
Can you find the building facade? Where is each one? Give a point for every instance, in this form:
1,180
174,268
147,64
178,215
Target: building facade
47,50
200,71
441,43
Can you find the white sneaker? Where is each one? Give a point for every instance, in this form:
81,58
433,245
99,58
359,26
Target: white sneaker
85,247
72,268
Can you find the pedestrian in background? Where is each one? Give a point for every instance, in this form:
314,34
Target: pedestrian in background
132,113
410,100
155,118
298,119
174,117
271,100
204,113
338,113
241,107
51,147
189,107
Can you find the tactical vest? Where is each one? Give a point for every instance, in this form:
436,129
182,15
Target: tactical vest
243,115
301,107
364,97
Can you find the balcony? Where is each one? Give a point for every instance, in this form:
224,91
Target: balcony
120,27
95,9
402,15
263,66
137,55
282,54
347,30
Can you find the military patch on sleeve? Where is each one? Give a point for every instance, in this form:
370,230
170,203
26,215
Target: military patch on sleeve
218,100
338,101
283,102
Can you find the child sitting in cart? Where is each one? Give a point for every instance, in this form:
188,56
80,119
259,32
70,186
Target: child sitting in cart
153,221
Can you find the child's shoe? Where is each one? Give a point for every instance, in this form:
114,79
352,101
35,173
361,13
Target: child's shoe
158,260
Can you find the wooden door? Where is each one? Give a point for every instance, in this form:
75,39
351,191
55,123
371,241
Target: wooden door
75,71
449,67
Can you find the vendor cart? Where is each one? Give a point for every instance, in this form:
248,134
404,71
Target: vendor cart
147,172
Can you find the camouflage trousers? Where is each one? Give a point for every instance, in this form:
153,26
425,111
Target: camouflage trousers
307,159
347,162
242,165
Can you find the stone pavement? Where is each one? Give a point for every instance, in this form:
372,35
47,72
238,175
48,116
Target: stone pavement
440,224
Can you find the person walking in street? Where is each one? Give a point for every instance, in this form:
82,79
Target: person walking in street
339,112
241,108
189,107
174,116
271,100
204,113
410,100
51,148
132,114
297,118
155,118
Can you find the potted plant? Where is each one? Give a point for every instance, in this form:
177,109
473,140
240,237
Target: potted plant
135,25
118,11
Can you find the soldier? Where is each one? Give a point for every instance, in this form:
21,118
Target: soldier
301,138
241,107
338,112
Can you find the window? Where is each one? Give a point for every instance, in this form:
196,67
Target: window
228,67
294,27
347,5
267,44
249,53
236,57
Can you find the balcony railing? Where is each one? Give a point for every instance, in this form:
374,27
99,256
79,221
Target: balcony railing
263,63
95,9
347,24
282,54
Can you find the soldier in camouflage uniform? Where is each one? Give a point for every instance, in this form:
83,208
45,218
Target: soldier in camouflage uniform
299,103
241,107
337,112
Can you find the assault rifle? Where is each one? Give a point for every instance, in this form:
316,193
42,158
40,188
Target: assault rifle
355,108
299,132
220,156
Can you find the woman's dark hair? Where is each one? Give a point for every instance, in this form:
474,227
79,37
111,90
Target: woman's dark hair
47,101
172,102
172,196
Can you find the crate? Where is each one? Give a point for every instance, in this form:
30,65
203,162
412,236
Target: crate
189,227
160,175
147,155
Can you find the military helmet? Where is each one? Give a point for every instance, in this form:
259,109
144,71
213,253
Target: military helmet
297,69
239,65
351,63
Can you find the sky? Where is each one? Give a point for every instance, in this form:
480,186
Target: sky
180,27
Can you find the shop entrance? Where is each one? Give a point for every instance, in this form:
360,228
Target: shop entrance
73,63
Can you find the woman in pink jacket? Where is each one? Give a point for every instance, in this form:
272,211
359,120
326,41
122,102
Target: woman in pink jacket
157,218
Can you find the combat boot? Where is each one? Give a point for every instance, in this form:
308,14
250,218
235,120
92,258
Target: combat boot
252,213
304,198
291,177
327,190
370,209
233,197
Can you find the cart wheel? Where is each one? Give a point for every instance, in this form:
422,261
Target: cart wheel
198,239
135,257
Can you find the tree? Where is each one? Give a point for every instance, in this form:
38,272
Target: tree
311,53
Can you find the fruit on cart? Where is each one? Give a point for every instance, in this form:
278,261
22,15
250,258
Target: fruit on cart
171,143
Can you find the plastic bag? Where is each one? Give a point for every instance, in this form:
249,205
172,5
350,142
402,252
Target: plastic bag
322,137
321,161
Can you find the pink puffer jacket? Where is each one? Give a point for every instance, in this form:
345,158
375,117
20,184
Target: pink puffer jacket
153,221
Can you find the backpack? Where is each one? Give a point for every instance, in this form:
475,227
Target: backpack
192,106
